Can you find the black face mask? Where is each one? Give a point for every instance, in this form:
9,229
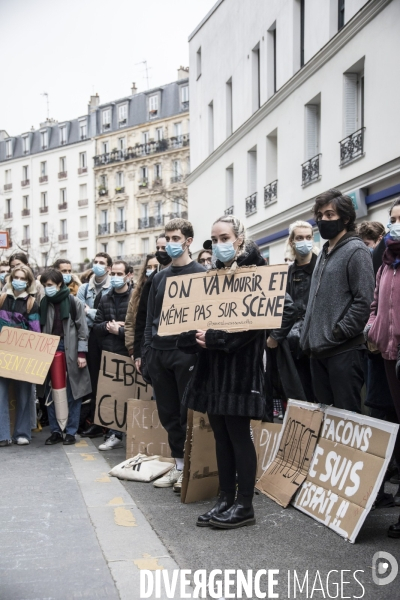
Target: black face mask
163,257
330,229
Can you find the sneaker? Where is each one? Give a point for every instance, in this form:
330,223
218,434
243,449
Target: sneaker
168,479
111,443
4,443
178,485
55,438
21,441
280,416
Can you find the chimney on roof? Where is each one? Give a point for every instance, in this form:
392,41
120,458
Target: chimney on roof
133,89
94,102
183,73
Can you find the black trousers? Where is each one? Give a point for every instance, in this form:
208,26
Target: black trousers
170,371
394,386
235,453
93,363
338,379
304,370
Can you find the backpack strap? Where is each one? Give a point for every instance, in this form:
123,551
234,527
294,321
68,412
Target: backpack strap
29,304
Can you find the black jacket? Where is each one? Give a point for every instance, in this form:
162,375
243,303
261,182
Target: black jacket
111,309
141,316
298,284
228,378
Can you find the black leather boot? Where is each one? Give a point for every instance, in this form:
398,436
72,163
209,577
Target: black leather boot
394,530
225,501
93,431
240,514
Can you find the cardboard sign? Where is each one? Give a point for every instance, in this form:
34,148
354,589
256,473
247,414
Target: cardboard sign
289,468
266,441
200,472
248,298
26,355
145,434
118,382
4,240
347,470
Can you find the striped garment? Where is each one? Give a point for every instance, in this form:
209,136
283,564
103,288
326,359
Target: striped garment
13,313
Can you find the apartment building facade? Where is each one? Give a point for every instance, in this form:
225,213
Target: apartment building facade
287,100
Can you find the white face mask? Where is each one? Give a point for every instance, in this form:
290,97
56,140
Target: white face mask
395,232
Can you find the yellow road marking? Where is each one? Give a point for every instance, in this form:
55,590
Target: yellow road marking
104,479
124,517
117,500
81,444
88,457
148,562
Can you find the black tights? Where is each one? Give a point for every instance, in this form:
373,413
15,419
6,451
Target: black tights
235,453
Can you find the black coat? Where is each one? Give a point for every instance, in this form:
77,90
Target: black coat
298,284
141,316
109,310
228,378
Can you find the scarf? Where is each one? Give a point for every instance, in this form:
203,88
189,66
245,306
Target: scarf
62,298
391,255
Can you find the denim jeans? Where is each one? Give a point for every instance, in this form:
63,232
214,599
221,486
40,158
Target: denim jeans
23,395
74,411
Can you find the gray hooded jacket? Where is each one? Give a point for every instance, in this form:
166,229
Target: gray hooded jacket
342,289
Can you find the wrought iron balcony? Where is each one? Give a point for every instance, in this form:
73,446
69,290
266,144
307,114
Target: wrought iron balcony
229,211
140,150
251,204
175,215
44,209
119,226
270,192
62,174
82,170
120,190
83,234
43,179
26,242
63,206
143,183
151,222
103,191
44,239
157,182
7,187
25,182
62,237
104,228
176,178
310,170
352,147
83,202
8,215
25,212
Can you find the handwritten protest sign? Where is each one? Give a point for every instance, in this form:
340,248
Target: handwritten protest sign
346,471
145,434
118,381
288,470
249,298
266,441
26,355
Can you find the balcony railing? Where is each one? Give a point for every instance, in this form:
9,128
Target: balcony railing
144,183
7,187
175,215
83,234
25,182
119,226
352,147
310,170
83,202
228,211
119,190
8,215
157,182
155,147
44,209
82,170
26,242
44,239
251,204
103,191
25,212
62,237
62,174
270,192
185,105
43,179
63,206
151,222
104,228
176,178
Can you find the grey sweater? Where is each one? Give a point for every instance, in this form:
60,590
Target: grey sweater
342,289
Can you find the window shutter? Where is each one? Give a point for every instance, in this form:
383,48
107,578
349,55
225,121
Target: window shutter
350,103
312,130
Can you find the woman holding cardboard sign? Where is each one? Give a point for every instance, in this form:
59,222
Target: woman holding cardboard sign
228,384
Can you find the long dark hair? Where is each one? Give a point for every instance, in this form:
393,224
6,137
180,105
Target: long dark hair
137,292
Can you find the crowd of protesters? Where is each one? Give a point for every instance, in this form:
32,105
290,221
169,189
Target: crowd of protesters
338,343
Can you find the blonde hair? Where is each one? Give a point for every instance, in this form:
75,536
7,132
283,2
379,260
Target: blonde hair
289,252
27,272
238,229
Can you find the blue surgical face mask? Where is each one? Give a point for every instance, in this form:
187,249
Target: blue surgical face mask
18,285
225,252
117,282
389,225
148,272
51,291
371,249
395,232
2,277
304,247
67,278
99,270
174,249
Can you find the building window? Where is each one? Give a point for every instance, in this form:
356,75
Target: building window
252,170
82,160
104,217
104,248
8,148
43,200
43,168
106,119
145,245
105,147
178,129
229,111
229,191
312,130
63,227
83,224
271,61
211,127
26,233
145,137
122,114
63,196
270,190
83,191
255,56
84,254
120,249
63,135
153,106
45,230
198,63
159,133
25,144
185,97
121,143
144,174
7,176
157,171
63,164
120,179
353,102
25,173
9,206
341,4
176,170
44,139
25,202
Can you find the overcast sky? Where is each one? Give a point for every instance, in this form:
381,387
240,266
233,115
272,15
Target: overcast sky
73,48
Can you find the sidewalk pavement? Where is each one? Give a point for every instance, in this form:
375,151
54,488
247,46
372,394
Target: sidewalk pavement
69,531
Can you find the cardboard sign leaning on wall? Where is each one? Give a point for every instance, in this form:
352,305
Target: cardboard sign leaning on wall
145,434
